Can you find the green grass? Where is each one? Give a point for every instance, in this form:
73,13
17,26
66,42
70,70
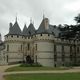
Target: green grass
57,76
19,68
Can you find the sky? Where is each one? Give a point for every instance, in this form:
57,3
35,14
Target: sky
57,11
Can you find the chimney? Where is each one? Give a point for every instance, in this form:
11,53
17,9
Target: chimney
46,22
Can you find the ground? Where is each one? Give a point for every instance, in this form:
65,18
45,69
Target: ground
75,70
44,76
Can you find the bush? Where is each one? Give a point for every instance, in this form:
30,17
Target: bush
31,65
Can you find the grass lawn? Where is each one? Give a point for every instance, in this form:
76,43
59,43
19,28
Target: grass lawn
57,76
19,68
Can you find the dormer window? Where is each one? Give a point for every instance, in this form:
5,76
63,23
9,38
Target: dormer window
29,32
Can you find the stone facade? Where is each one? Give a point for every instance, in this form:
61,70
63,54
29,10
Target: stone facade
42,45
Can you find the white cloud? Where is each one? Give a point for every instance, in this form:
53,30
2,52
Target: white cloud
58,11
73,6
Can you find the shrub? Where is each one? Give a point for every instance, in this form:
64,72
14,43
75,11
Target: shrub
31,65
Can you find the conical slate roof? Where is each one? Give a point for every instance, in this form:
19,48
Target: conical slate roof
25,31
42,28
15,29
31,29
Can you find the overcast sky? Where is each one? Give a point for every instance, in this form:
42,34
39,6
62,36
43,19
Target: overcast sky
58,12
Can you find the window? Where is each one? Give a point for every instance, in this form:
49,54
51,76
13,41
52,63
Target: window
29,32
36,46
70,50
54,65
7,58
55,57
41,34
21,47
62,49
7,47
11,35
71,57
54,49
28,46
28,37
7,36
55,53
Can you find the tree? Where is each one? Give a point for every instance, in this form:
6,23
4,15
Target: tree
77,18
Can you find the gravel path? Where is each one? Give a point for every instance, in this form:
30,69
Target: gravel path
55,71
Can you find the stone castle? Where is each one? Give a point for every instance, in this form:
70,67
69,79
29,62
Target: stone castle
43,46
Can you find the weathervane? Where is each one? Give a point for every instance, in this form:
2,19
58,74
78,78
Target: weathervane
31,20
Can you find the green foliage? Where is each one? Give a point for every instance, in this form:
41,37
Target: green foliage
31,65
77,18
24,68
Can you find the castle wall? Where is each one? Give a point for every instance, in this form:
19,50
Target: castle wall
45,50
14,49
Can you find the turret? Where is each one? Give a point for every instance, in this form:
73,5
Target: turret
25,32
44,27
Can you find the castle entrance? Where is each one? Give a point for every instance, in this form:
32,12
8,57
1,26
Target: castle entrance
28,59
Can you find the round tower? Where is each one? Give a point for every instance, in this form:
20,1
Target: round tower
44,45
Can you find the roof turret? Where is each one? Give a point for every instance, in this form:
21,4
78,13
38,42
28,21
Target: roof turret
44,26
31,29
14,29
25,32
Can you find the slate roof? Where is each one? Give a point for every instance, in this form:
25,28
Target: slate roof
25,31
42,29
14,29
31,30
54,30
